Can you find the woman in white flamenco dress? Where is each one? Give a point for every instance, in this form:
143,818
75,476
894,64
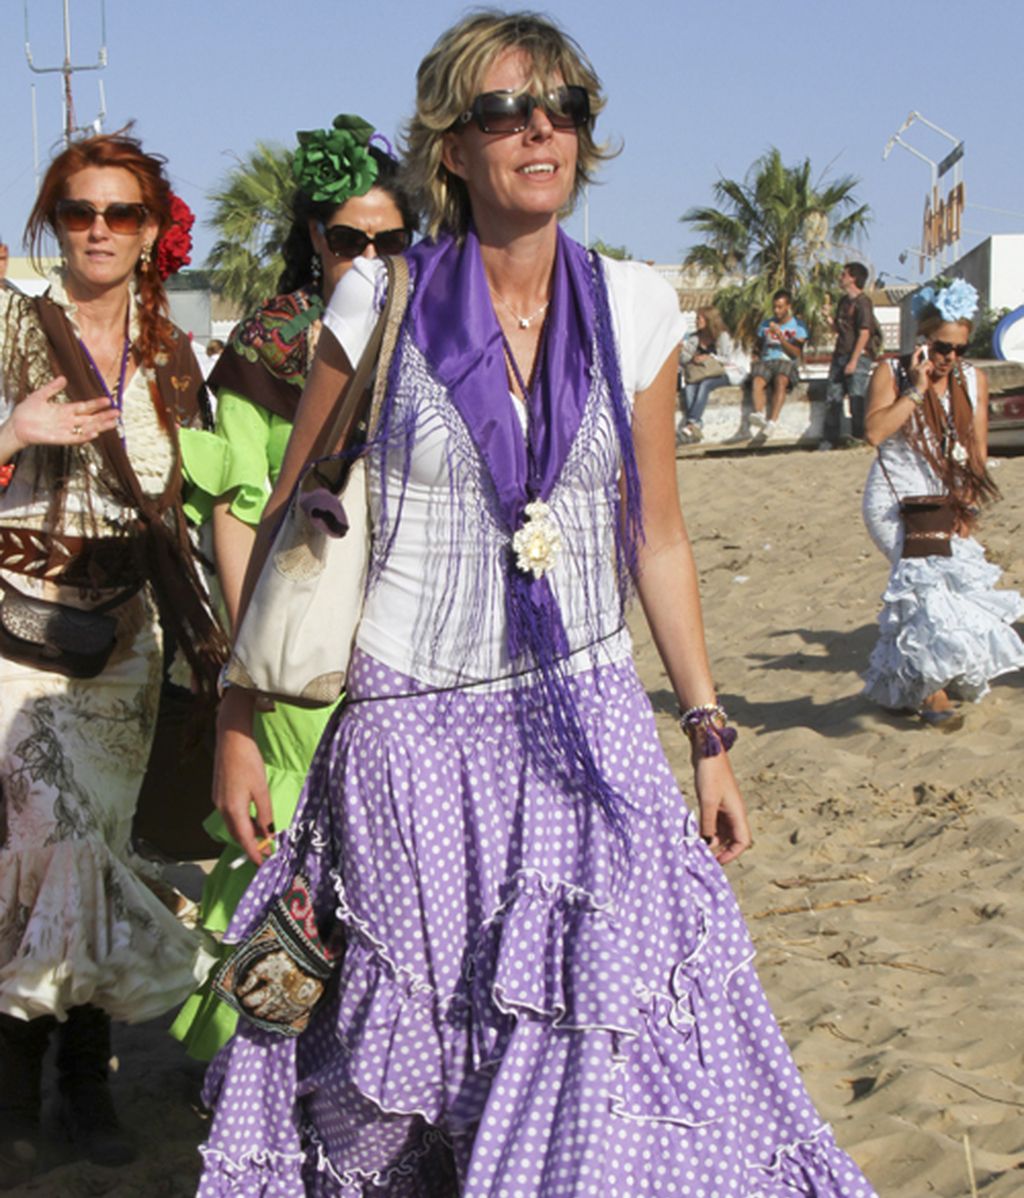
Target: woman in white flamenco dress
945,630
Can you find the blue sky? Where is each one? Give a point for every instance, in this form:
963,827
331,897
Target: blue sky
694,91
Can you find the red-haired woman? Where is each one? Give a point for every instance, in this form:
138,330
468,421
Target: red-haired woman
95,382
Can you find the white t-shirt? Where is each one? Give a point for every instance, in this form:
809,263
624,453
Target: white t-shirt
421,575
645,315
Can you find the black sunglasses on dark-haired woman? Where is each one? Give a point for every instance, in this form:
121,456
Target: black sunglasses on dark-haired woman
344,241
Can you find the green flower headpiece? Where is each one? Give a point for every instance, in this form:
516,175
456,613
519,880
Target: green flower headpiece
334,164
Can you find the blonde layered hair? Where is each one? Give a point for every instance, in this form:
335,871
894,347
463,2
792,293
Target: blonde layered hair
713,322
449,79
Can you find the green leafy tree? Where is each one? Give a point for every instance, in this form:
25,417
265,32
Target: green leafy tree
612,251
980,344
779,227
252,216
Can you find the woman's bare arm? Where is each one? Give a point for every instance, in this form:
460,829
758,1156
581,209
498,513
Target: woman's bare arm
667,586
240,786
888,411
233,540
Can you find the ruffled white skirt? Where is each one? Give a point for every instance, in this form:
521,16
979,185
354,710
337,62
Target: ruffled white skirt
943,623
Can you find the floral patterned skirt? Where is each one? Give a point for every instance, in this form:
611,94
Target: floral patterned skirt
78,924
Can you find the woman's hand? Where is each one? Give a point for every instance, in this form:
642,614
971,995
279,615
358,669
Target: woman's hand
38,420
239,778
920,369
723,815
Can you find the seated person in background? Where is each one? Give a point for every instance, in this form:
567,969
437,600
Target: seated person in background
711,359
780,342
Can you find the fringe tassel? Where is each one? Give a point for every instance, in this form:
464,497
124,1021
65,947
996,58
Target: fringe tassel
552,727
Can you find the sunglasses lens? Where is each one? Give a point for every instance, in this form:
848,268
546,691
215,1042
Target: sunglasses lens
75,215
947,347
392,241
568,107
78,215
502,112
346,242
124,218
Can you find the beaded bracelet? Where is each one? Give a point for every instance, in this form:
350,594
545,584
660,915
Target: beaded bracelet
915,396
707,728
6,474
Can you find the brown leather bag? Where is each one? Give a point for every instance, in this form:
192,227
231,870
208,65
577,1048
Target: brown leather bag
928,521
927,525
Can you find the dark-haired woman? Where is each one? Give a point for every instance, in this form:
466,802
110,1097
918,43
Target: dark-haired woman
347,207
95,382
945,631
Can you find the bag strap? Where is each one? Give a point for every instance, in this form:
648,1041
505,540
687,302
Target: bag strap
358,403
888,478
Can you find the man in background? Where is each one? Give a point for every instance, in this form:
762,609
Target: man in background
780,340
858,339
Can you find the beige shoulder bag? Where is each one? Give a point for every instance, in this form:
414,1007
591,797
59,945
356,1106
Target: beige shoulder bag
296,636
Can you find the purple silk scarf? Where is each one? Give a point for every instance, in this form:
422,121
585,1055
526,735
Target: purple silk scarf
452,321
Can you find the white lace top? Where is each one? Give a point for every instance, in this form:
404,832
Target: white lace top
437,611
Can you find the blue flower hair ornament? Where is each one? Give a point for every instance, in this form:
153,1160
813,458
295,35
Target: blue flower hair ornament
954,300
332,165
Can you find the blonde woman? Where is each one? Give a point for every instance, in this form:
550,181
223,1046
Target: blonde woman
546,988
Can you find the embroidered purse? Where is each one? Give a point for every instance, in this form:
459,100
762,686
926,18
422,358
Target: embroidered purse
278,974
296,636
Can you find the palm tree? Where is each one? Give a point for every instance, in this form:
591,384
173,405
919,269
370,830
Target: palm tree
252,215
778,228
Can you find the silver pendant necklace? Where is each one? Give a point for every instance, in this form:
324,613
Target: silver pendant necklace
524,322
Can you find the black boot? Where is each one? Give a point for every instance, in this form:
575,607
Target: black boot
86,1108
22,1048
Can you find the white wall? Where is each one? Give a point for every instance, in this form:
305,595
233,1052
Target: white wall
995,267
1006,283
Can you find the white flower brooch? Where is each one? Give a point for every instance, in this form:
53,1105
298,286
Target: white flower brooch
538,542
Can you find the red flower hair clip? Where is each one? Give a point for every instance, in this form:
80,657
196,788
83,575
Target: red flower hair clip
173,250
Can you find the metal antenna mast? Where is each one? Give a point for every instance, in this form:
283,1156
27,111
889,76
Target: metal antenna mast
67,69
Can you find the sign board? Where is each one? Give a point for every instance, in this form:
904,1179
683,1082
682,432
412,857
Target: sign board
951,159
942,221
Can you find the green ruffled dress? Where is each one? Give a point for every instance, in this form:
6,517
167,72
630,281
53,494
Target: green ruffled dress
243,460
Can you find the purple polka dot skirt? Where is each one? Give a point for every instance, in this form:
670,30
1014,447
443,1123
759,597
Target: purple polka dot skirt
519,1013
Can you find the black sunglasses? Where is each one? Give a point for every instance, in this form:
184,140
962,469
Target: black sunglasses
510,112
78,215
346,242
947,347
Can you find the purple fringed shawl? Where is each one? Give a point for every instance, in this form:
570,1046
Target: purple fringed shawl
452,322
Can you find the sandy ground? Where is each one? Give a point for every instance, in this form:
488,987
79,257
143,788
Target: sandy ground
886,887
